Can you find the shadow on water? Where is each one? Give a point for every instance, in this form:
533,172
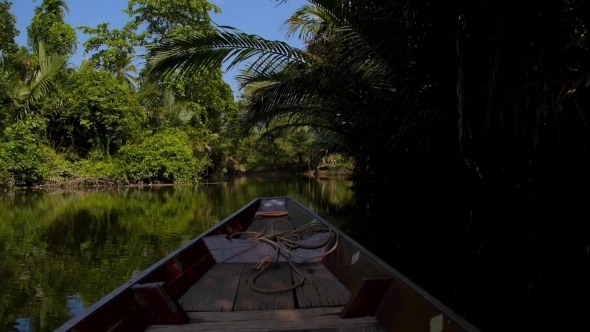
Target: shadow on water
62,251
517,262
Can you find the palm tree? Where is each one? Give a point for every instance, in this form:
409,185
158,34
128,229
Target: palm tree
56,9
175,113
385,79
27,92
162,106
304,86
123,69
59,8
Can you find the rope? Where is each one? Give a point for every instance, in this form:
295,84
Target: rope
287,242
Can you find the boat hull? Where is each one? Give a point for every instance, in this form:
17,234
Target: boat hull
377,289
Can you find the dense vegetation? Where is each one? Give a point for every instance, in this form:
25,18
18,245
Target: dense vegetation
103,122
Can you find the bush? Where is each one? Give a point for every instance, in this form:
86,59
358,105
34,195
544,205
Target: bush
99,169
22,151
98,113
59,168
6,178
340,167
166,157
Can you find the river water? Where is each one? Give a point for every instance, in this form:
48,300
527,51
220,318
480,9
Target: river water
62,251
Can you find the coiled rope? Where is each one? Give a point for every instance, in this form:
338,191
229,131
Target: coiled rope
287,242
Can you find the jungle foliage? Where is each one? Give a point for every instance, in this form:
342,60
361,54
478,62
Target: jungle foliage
104,120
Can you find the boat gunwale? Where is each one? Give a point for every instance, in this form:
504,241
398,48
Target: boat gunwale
74,321
462,322
77,319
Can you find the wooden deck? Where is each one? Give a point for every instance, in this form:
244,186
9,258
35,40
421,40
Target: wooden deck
294,320
223,300
211,275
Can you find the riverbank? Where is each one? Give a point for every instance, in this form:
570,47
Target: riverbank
105,175
81,184
323,171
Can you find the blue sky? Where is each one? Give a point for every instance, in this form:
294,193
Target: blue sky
260,17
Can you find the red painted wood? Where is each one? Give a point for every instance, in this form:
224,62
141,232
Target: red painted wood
177,287
119,308
131,323
367,298
351,274
157,306
106,318
418,307
119,311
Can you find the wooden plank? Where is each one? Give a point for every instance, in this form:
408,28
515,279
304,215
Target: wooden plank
299,216
397,312
329,329
256,226
367,328
320,289
321,319
131,323
215,291
366,300
276,276
177,287
236,225
157,305
271,228
112,315
272,207
350,264
281,226
261,325
281,315
276,227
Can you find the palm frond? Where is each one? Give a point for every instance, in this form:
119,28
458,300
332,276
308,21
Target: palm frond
186,55
41,83
123,68
310,23
45,80
149,95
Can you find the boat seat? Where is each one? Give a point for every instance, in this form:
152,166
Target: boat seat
293,320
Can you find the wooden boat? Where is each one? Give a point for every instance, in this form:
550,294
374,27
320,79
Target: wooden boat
211,284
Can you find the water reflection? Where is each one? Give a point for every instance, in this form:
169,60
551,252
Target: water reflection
75,304
62,251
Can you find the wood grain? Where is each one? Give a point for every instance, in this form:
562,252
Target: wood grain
320,319
367,328
256,226
276,276
280,315
215,291
320,289
157,306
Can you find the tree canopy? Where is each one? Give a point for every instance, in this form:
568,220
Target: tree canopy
89,122
48,27
8,30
